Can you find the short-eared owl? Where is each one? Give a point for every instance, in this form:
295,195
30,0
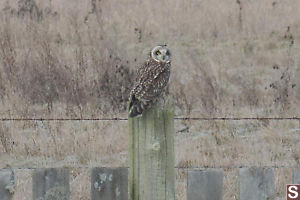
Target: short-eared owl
151,81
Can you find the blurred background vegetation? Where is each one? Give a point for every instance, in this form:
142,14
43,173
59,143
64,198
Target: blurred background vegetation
78,58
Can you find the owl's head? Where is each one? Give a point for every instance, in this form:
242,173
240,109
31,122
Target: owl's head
161,53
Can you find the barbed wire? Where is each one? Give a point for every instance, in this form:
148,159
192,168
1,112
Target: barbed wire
176,167
175,118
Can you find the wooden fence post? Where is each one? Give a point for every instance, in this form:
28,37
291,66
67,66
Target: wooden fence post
109,184
205,184
256,183
296,176
151,147
51,184
6,184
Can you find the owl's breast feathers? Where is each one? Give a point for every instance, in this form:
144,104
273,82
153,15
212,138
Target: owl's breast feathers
151,80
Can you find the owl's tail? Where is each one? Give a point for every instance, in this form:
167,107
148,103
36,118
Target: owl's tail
136,107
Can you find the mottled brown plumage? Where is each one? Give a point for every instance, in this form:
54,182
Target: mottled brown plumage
151,81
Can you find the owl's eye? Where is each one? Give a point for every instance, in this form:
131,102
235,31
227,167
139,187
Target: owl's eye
157,53
168,53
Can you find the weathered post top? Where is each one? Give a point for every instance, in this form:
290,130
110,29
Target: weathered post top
151,147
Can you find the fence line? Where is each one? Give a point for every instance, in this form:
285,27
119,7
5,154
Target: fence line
177,167
203,185
51,184
111,183
6,184
256,184
175,118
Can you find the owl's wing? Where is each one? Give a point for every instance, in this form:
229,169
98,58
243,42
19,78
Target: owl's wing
151,80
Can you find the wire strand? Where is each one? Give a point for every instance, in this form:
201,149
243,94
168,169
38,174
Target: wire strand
175,118
176,167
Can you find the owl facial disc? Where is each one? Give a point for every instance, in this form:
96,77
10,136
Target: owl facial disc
161,53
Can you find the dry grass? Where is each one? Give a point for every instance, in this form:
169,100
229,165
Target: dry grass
282,177
82,56
227,144
230,184
56,144
181,184
198,144
6,139
43,67
77,59
23,184
80,181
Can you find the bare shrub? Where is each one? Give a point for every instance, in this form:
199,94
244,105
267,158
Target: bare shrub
6,139
114,83
2,87
8,69
249,93
44,79
66,60
182,101
43,76
210,92
208,88
7,52
281,90
29,8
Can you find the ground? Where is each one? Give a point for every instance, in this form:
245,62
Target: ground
67,60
